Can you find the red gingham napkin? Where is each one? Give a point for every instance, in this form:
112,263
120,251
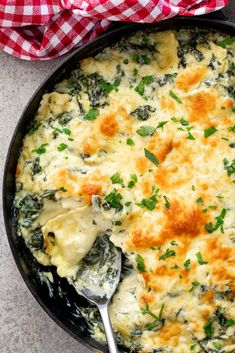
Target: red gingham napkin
46,29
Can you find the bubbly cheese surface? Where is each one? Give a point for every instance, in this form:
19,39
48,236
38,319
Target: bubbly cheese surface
139,143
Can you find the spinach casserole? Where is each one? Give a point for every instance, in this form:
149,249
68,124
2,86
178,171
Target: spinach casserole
138,145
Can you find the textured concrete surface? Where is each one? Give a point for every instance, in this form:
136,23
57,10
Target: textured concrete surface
24,327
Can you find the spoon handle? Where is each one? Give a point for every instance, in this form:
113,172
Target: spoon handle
108,328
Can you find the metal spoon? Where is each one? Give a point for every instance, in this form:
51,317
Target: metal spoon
97,279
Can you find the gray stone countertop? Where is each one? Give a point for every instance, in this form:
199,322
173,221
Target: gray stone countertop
24,326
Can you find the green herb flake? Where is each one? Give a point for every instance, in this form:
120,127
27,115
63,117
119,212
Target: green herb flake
184,122
66,131
208,132
209,329
135,72
146,130
227,41
133,181
231,128
199,201
91,114
116,179
41,149
150,204
167,203
151,157
113,199
167,254
108,87
141,59
117,223
146,80
229,322
140,263
173,243
187,264
175,267
61,147
190,136
193,187
193,346
128,203
200,259
194,285
161,124
130,142
174,96
63,189
217,345
219,223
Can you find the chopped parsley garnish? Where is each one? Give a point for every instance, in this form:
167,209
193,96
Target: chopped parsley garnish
141,59
167,254
128,203
227,41
35,128
209,329
63,189
219,223
174,96
231,129
167,203
108,87
113,199
91,114
199,201
140,263
161,124
117,223
130,142
217,345
184,122
200,259
229,167
150,204
175,267
190,136
41,149
151,157
187,264
146,80
173,243
208,132
146,130
194,284
135,72
62,147
193,187
157,319
133,181
116,179
66,131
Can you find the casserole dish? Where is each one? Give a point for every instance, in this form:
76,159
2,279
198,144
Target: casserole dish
61,301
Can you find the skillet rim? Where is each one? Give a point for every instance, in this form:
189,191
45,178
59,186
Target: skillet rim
212,23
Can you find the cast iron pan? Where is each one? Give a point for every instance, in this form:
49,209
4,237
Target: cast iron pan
62,303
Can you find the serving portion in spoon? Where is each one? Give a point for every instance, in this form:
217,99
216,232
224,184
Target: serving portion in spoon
97,279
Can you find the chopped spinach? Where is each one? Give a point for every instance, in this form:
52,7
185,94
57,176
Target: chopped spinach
36,241
142,112
64,118
29,206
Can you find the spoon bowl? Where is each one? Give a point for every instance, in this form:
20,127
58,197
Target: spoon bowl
97,280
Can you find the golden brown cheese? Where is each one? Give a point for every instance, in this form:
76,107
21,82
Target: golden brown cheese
140,140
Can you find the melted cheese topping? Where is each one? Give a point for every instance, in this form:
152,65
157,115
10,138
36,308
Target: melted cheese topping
140,140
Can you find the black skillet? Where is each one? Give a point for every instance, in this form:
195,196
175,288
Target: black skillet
64,308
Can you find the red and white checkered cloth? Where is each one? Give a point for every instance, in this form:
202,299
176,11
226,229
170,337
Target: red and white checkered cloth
46,29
